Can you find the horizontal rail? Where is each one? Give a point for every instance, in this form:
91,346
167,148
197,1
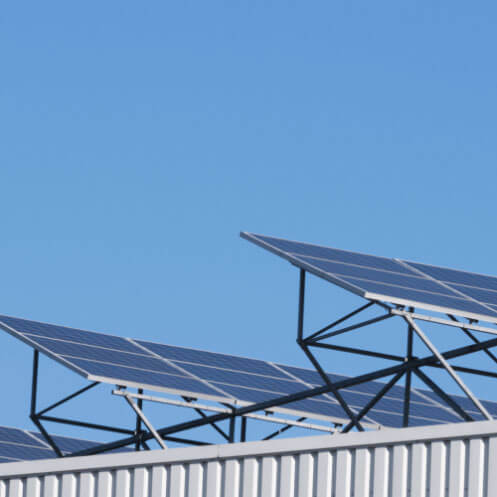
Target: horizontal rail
455,324
204,407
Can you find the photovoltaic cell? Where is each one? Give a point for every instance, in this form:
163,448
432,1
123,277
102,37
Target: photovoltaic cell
211,375
392,280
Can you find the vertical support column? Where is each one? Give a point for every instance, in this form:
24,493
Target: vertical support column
305,348
34,383
32,409
300,325
407,394
231,434
243,431
138,426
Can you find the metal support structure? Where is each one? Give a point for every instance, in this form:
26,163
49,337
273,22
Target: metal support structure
84,424
414,364
449,369
300,323
350,328
446,322
374,400
146,422
232,429
261,406
332,387
448,400
34,417
473,338
67,398
406,364
310,355
282,430
227,409
407,385
338,321
199,411
138,427
243,429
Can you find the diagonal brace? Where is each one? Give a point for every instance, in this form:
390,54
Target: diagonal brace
332,387
338,321
374,400
448,367
146,422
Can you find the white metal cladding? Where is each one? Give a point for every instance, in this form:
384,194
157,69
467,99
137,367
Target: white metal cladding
440,461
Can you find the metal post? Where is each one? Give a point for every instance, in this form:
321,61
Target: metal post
32,414
138,426
300,326
232,429
243,431
34,383
449,369
407,393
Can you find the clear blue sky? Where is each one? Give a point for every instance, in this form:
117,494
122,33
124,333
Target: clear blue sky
137,140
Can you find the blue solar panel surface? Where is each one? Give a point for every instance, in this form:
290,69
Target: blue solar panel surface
24,445
392,280
221,377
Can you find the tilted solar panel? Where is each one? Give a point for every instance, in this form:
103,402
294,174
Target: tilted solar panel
221,377
392,280
25,445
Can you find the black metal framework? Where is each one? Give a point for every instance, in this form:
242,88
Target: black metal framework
404,366
408,364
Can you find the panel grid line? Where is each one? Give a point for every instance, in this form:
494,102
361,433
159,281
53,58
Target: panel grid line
441,282
168,361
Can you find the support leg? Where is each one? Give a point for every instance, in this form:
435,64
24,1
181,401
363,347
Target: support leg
407,394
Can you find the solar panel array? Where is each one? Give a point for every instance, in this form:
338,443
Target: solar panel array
393,280
226,378
24,445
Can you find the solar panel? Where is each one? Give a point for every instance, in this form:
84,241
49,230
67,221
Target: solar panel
24,445
392,280
222,377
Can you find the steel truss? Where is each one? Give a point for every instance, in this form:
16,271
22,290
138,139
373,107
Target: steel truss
408,364
404,366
